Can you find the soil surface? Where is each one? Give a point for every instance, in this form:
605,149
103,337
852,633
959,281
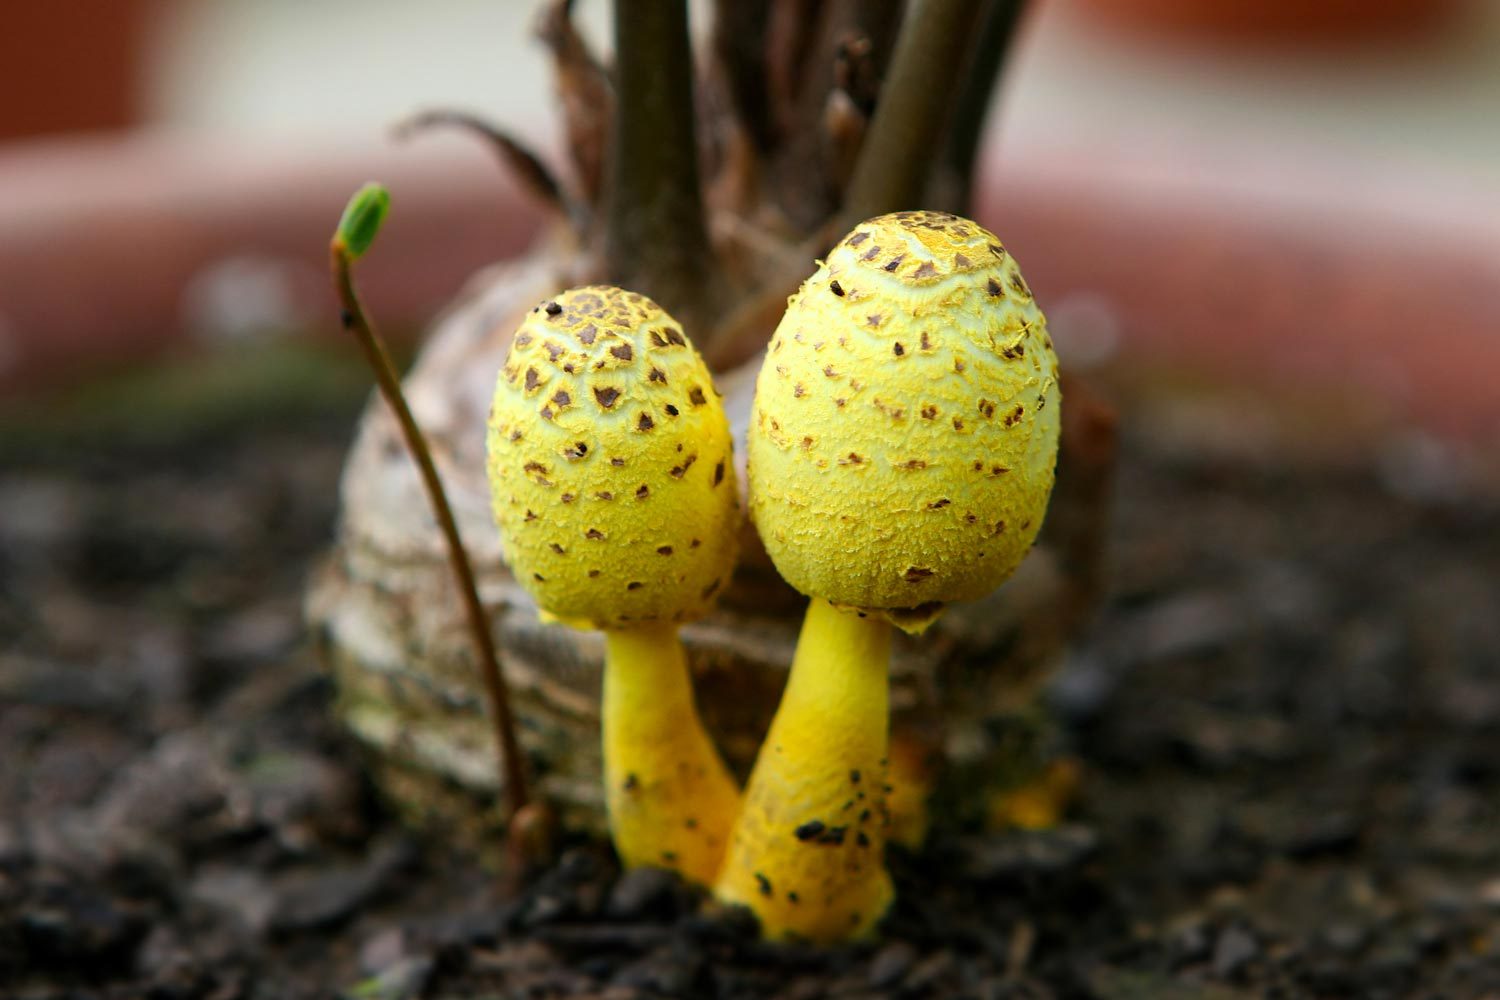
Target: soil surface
1288,721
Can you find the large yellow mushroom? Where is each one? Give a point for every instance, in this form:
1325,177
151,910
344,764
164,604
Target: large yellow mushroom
612,481
902,449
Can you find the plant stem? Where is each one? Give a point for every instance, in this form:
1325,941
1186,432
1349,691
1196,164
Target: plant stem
930,55
954,170
807,176
739,43
354,320
878,21
586,99
656,242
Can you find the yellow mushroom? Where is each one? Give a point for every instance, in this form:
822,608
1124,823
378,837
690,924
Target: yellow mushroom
612,481
902,449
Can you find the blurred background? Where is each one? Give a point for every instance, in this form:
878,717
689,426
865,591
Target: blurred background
1294,195
1268,231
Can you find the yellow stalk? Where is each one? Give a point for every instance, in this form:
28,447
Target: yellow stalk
807,852
671,800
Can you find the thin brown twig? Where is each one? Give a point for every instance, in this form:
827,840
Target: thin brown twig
856,73
873,22
846,110
879,22
805,176
528,168
353,319
791,33
915,99
585,95
739,44
843,131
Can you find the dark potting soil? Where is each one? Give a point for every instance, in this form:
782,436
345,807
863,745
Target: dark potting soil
1288,719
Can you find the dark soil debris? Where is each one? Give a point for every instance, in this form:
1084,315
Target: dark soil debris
1287,720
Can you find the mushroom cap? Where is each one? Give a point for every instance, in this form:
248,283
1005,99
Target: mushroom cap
904,438
610,465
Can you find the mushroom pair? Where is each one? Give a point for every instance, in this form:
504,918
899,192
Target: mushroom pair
901,453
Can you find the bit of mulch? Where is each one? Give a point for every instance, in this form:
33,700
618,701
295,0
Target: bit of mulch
1288,720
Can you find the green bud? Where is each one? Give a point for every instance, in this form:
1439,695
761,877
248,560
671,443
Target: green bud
362,218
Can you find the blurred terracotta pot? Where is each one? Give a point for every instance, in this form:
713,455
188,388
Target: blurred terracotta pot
1280,274
115,250
71,65
1278,20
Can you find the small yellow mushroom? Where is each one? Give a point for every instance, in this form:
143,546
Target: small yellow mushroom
902,449
612,481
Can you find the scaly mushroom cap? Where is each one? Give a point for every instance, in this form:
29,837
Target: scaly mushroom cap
906,420
610,464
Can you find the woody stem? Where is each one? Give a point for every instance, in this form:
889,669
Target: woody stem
496,693
656,240
926,68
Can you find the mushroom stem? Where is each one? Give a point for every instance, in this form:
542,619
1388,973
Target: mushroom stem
670,798
806,855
